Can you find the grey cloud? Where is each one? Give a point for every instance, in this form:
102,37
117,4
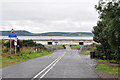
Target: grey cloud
50,15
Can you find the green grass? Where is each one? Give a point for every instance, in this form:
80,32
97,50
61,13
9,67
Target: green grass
0,61
112,61
24,55
75,47
58,47
85,52
108,69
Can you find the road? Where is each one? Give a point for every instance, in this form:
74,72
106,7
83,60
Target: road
61,64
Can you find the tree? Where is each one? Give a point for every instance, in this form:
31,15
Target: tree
107,31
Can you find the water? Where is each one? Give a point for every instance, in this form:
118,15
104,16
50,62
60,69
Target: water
53,37
47,37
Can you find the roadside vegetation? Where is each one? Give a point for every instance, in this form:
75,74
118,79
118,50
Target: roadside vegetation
110,61
85,49
28,50
75,47
0,53
107,31
108,69
85,52
91,47
108,66
24,55
56,47
107,34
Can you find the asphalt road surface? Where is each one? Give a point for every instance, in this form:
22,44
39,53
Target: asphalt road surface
61,64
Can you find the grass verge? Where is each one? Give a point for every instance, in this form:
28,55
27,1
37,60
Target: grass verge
108,69
75,47
24,55
111,61
55,47
85,52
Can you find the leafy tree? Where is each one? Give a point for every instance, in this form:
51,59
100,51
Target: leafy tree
107,31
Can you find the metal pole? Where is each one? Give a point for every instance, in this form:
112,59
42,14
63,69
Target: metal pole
10,46
15,44
15,49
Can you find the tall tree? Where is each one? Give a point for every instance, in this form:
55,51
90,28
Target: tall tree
107,31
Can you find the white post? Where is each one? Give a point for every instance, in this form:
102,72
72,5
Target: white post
10,46
15,49
15,43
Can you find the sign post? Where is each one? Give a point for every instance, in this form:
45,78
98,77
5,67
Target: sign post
10,46
50,45
81,43
15,43
12,35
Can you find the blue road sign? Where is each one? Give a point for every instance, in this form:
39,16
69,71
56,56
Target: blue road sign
12,35
18,46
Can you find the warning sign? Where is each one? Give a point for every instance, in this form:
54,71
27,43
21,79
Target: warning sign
12,34
12,31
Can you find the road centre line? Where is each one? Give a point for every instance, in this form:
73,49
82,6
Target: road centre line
51,67
56,60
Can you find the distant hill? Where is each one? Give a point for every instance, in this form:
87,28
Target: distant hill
19,33
67,34
26,33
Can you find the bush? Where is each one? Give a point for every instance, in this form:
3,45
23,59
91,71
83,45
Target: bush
10,57
64,47
99,52
40,46
29,43
25,51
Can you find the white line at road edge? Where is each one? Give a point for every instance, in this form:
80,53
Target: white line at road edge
56,60
51,67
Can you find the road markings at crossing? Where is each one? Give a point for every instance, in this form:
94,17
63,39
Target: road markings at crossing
48,68
51,67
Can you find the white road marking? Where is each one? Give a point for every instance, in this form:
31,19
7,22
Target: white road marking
51,64
51,67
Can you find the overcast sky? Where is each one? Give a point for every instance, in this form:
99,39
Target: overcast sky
48,15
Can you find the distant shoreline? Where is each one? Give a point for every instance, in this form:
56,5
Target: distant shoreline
55,36
27,33
49,37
